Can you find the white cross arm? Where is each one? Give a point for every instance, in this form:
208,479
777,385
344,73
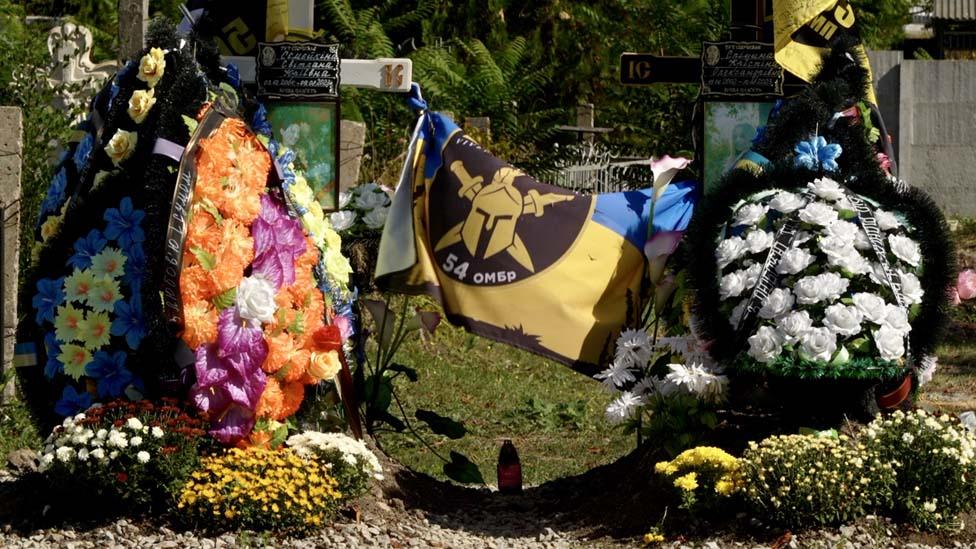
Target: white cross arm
384,74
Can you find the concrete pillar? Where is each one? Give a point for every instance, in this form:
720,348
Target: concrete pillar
133,15
11,155
351,142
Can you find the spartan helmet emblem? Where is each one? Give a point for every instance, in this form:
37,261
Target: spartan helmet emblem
496,207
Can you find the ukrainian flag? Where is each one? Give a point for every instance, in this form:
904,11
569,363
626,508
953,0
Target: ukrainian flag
524,263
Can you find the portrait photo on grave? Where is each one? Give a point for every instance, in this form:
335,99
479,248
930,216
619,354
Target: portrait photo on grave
730,128
310,129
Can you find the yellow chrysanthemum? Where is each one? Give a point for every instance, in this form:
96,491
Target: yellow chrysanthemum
687,482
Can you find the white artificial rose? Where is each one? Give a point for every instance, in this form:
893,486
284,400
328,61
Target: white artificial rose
818,344
886,220
889,342
779,302
759,240
826,188
750,214
765,345
729,250
121,146
794,326
140,103
896,318
877,274
850,260
376,218
843,230
905,249
736,315
818,213
342,219
345,197
872,306
731,285
843,320
794,261
831,285
861,240
802,237
843,204
256,299
833,245
371,198
911,287
807,290
750,275
927,369
787,202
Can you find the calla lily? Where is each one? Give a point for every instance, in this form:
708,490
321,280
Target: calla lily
428,320
664,170
384,318
658,248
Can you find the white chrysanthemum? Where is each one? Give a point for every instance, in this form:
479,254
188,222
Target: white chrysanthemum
134,424
905,249
354,452
143,456
623,407
826,188
157,432
64,454
765,345
787,202
872,306
794,261
635,346
135,441
818,213
749,214
729,250
617,375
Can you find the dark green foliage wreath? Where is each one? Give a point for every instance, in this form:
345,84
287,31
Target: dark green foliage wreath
841,84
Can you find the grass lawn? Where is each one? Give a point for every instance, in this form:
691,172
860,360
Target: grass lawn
553,415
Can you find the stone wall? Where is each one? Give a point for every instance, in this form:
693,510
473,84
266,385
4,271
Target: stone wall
11,150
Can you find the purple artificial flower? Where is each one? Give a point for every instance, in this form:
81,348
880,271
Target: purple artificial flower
240,343
234,424
278,243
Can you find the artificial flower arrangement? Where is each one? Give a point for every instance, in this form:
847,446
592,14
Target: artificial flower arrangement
822,264
95,331
134,454
252,312
362,210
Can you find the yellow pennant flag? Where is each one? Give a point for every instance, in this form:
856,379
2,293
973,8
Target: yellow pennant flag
804,29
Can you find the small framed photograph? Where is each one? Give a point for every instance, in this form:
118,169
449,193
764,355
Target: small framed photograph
730,127
311,129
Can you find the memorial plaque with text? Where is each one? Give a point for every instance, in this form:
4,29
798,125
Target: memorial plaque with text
298,70
744,69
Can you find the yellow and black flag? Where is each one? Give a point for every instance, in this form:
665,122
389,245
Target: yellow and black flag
804,29
528,264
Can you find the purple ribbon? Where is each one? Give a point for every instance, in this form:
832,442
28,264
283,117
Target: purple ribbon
169,149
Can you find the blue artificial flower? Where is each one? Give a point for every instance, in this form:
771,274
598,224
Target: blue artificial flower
123,224
83,150
260,121
72,402
129,322
234,76
86,248
50,294
55,193
53,366
817,154
135,269
110,371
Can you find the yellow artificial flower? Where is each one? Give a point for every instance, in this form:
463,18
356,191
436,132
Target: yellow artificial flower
337,265
68,322
78,286
301,192
75,358
109,262
140,103
51,227
152,66
324,366
95,331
